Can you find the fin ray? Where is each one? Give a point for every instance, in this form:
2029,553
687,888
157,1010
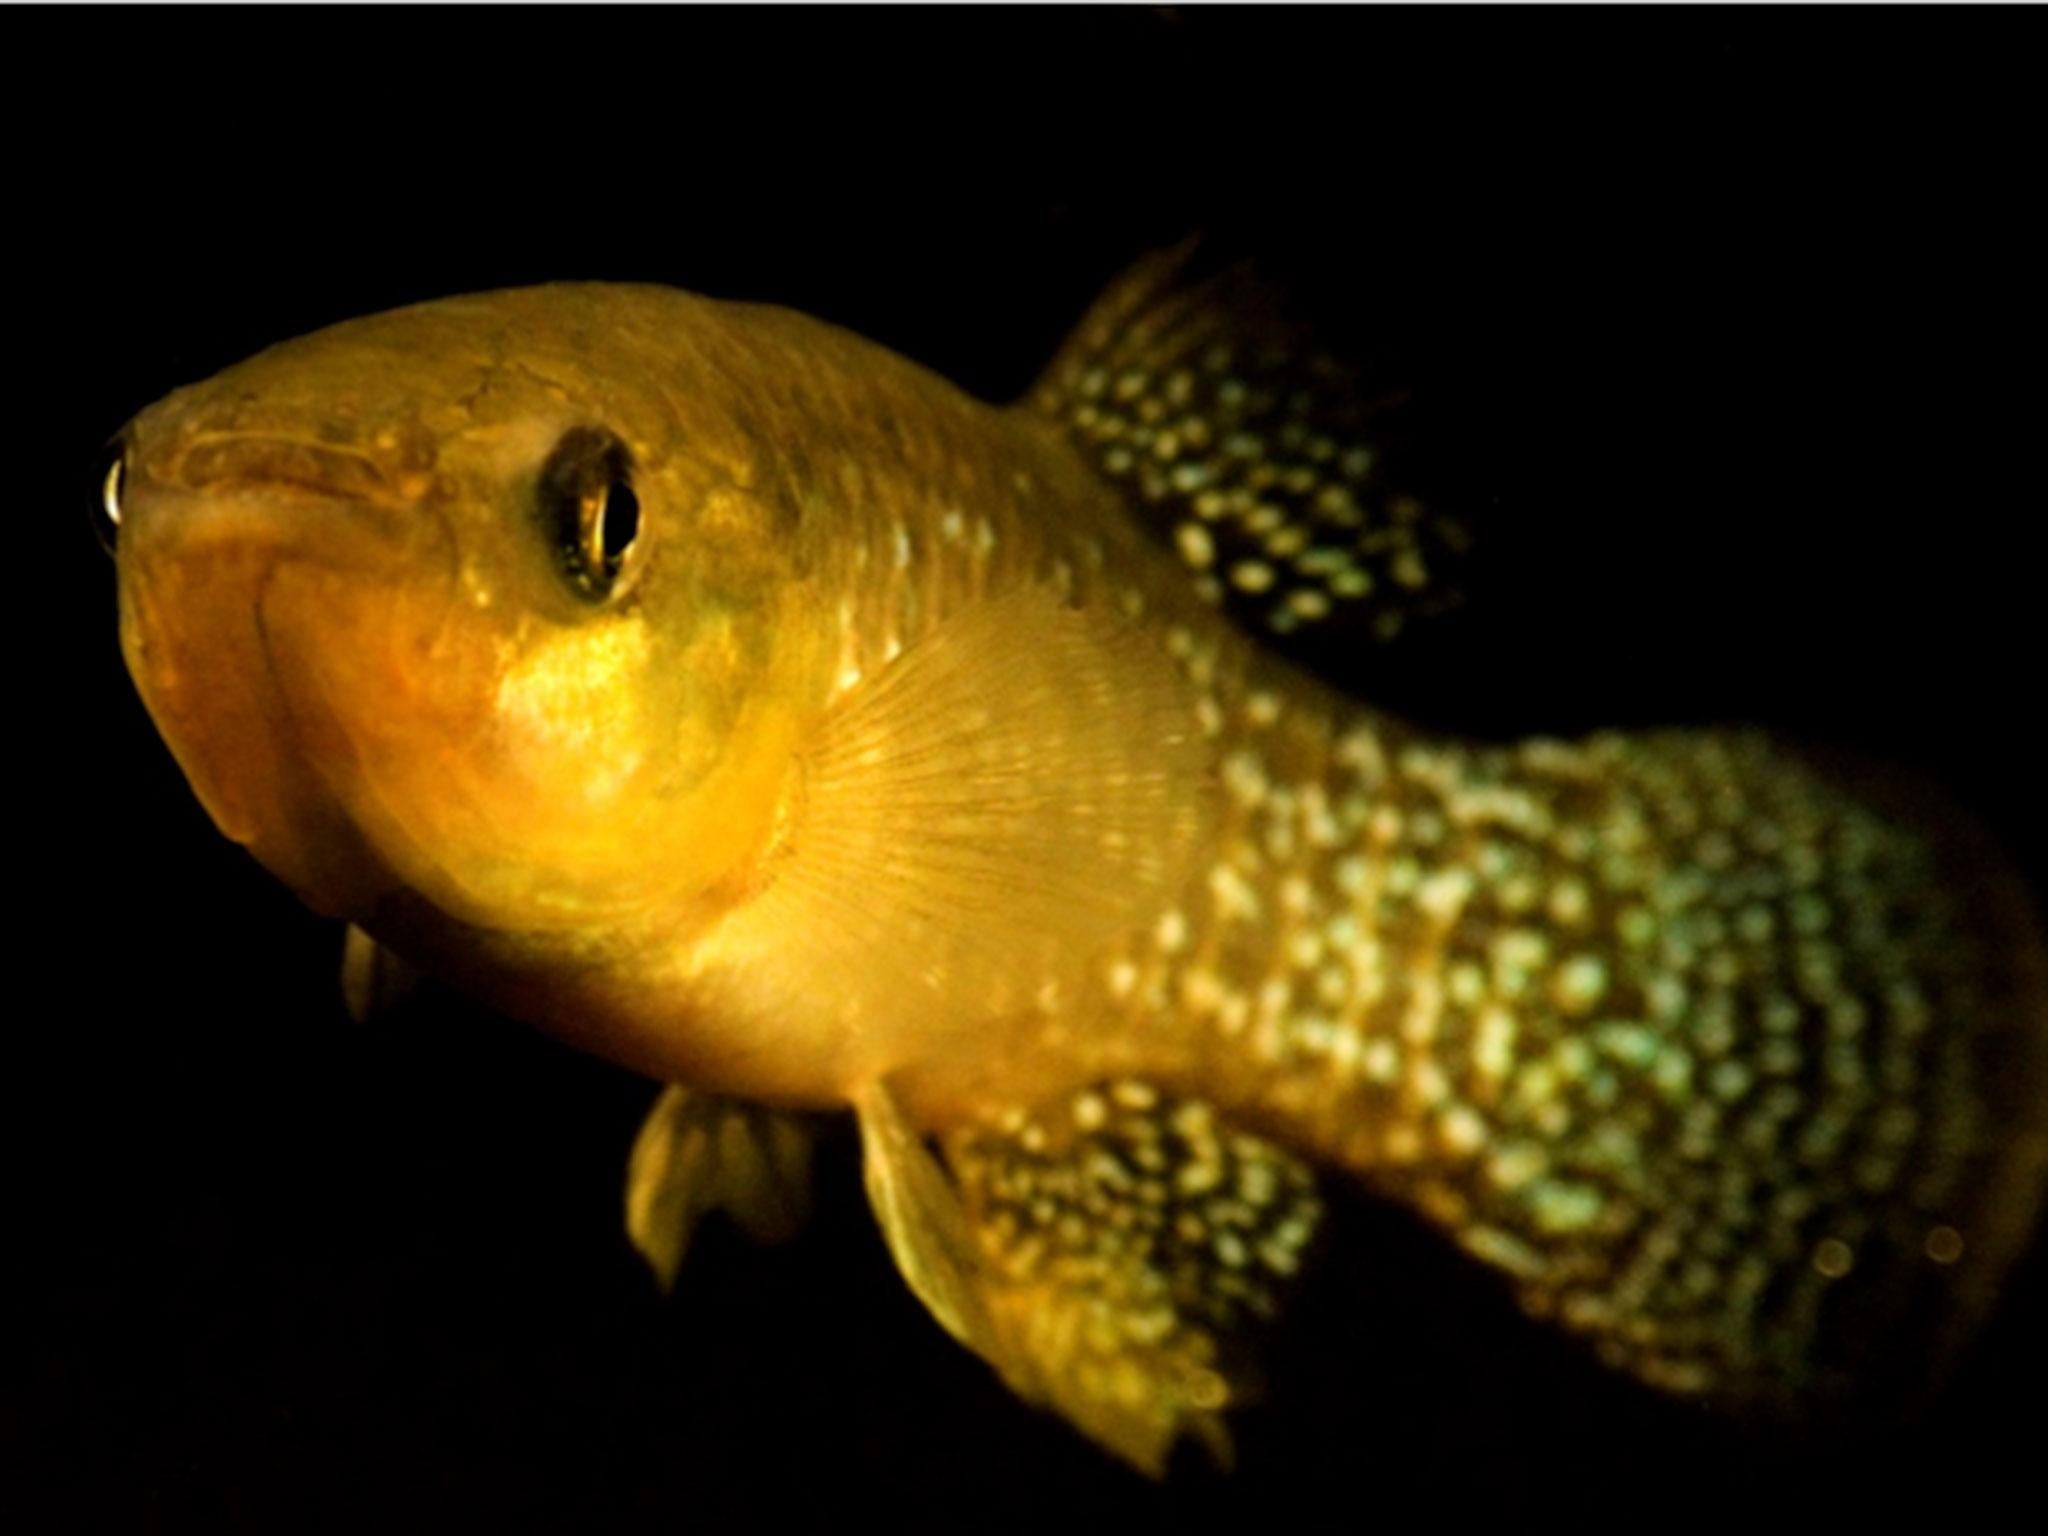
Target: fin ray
1268,464
373,979
697,1153
979,818
1104,1255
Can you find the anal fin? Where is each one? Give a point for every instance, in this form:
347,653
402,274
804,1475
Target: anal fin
1105,1254
697,1153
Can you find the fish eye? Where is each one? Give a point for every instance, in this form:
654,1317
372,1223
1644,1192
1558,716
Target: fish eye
589,509
109,482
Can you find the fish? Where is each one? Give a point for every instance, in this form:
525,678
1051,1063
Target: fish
741,702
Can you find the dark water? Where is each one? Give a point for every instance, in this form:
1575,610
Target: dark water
1733,333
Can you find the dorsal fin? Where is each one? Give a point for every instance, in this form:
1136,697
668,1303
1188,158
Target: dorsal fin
1257,455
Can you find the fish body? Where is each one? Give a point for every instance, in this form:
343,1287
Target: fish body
748,705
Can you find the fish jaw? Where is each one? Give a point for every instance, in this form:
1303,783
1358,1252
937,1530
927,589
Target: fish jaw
203,576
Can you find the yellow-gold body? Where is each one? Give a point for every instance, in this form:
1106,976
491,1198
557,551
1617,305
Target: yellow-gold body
873,749
335,602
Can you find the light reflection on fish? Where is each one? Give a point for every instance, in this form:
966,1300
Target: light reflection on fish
739,701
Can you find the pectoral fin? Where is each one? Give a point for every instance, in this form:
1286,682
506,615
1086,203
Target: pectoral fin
698,1153
978,819
373,980
1102,1255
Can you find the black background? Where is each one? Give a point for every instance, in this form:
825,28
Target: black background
1731,322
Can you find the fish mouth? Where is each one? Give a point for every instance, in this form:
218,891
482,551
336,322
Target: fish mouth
221,591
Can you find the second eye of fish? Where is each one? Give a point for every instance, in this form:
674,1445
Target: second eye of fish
111,480
589,509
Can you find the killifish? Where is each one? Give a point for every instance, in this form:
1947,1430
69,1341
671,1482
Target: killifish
739,701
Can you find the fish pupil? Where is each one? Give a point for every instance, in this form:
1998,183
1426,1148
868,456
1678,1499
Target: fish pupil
618,524
589,510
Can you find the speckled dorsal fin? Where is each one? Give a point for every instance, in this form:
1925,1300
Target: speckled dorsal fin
1255,454
697,1153
1104,1253
983,815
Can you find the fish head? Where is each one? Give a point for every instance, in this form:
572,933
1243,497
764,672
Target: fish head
471,603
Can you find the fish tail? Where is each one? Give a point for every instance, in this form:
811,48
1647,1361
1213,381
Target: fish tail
1733,1058
2005,1173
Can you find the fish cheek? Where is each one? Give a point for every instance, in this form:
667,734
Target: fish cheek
577,739
376,705
505,777
554,786
536,761
195,643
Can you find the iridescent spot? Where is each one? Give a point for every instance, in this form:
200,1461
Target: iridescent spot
1833,1258
1251,576
1944,1244
1559,1206
1580,981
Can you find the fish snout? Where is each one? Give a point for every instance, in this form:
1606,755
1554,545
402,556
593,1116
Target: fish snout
324,503
196,451
240,461
391,465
